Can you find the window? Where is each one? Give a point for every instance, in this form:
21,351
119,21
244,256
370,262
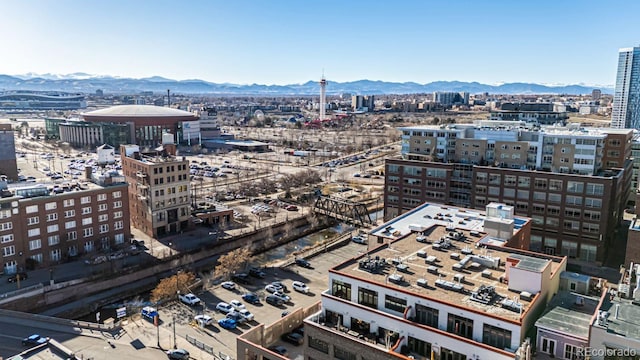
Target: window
117,204
70,224
5,214
395,304
102,207
524,181
8,251
117,194
588,252
33,232
33,220
555,197
52,217
496,337
341,289
69,213
555,185
548,346
50,206
31,209
103,217
510,180
87,232
86,210
87,221
117,214
575,187
53,240
343,354
6,238
35,244
53,228
595,189
6,226
460,326
104,228
118,225
102,197
426,315
419,347
318,344
510,193
368,298
72,235
594,203
68,202
85,200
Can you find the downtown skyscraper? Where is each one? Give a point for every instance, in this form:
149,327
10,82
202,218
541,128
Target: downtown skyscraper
626,99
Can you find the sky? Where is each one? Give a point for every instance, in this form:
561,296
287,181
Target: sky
294,41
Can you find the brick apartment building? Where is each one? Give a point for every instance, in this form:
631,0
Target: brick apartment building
572,182
49,224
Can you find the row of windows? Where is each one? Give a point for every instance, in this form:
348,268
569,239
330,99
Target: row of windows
170,168
459,325
70,202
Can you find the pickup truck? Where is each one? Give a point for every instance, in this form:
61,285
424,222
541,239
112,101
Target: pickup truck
189,299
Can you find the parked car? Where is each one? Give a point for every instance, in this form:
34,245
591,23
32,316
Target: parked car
291,208
304,263
274,300
229,285
293,338
17,276
358,239
241,278
256,272
251,298
223,307
204,320
237,305
299,286
279,349
280,285
285,298
246,314
227,323
272,288
234,315
34,340
189,299
178,354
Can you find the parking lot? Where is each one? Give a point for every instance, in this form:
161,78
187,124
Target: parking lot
223,340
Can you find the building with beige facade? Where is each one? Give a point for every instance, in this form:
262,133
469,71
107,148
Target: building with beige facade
159,188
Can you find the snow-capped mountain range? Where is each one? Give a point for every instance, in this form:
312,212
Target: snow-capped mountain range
88,83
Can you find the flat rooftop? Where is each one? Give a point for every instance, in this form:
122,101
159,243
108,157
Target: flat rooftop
569,313
427,264
430,214
627,321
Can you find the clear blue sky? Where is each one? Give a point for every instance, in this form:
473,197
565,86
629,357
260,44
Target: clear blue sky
286,42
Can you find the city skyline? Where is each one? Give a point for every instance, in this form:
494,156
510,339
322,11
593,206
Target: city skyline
286,42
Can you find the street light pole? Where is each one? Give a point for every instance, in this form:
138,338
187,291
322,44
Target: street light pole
175,346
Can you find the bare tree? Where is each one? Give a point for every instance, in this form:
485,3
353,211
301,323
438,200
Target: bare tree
168,287
232,262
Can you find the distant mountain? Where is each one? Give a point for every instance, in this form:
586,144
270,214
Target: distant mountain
86,83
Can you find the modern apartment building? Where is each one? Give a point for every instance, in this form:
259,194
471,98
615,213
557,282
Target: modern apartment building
572,182
539,113
436,283
45,224
625,113
159,188
450,98
364,103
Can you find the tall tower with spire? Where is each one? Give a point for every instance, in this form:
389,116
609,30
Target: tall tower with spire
323,94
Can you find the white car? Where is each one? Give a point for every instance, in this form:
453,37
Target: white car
299,286
271,288
282,296
204,320
237,305
359,239
189,299
246,314
223,307
229,285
